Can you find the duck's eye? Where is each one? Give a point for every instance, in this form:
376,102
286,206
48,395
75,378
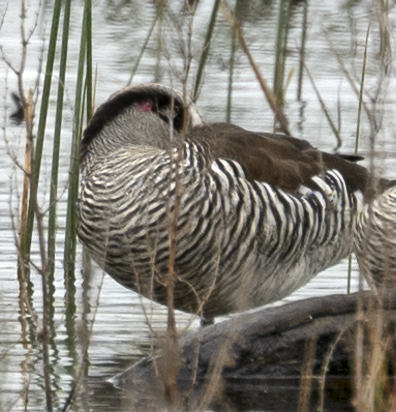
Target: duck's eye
167,115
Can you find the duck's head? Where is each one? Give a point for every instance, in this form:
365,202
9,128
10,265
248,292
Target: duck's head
147,111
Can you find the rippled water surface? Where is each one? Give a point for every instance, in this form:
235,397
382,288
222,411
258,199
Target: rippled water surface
120,333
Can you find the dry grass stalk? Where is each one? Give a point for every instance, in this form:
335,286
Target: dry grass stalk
269,94
173,232
324,108
307,375
302,51
371,118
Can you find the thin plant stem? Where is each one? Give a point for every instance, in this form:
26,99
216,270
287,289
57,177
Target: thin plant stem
358,355
88,80
71,216
231,76
52,228
172,230
83,96
56,144
187,54
324,108
351,82
324,368
161,6
302,50
357,136
269,94
143,49
349,283
307,374
26,236
280,50
205,49
361,93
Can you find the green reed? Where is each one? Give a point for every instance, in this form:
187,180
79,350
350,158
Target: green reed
26,237
83,89
56,144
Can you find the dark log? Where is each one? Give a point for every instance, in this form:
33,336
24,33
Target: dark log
273,359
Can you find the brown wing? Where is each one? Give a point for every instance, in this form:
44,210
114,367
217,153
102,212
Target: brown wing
284,162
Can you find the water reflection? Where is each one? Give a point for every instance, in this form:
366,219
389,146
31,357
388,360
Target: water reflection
120,330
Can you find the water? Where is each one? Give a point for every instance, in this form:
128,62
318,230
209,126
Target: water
120,333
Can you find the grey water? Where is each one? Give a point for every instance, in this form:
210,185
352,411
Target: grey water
120,319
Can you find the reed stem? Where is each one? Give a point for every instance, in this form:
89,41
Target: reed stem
280,50
26,236
71,216
205,50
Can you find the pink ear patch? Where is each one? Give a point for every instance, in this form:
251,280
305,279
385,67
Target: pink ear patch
144,106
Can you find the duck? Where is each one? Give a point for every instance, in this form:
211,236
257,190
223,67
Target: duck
227,219
375,241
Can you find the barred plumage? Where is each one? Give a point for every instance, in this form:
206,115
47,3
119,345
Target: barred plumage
375,242
256,215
